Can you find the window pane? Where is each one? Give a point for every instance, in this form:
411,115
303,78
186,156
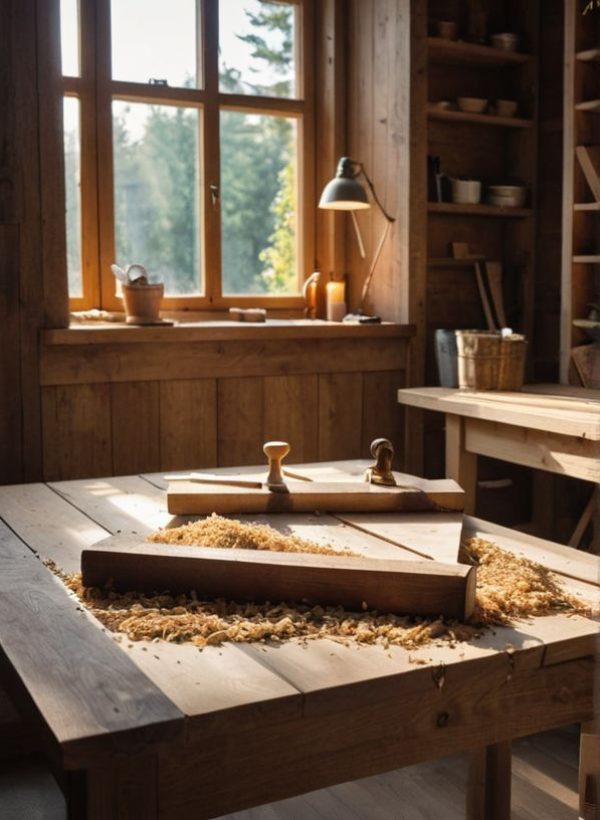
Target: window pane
256,48
72,145
157,192
154,39
259,204
69,37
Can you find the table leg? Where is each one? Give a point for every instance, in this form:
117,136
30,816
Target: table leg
460,464
488,787
123,791
589,771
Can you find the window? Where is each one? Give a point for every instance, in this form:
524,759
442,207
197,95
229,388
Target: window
187,138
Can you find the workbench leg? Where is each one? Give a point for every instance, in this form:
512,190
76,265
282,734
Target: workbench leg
126,790
488,786
589,771
461,465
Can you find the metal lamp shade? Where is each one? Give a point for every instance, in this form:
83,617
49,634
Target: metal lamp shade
344,194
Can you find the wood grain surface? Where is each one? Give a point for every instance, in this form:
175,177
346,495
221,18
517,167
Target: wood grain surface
356,583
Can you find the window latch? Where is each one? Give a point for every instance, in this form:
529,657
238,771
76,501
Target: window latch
214,194
155,81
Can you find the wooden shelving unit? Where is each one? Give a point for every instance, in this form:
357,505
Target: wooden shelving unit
479,119
580,284
473,54
455,209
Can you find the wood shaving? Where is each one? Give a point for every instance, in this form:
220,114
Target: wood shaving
509,588
216,531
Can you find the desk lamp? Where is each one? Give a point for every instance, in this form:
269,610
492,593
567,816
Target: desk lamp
345,193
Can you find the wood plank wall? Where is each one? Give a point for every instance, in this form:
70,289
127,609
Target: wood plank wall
134,408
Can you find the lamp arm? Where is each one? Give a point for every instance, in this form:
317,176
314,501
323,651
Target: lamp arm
372,189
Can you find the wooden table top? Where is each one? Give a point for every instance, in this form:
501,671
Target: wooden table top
101,695
556,408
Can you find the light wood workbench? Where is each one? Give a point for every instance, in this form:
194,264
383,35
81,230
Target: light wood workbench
165,731
548,427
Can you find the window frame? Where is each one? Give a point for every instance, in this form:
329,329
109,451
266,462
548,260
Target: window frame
96,90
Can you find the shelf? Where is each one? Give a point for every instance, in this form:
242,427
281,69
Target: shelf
588,259
591,55
457,51
479,119
451,208
586,206
589,105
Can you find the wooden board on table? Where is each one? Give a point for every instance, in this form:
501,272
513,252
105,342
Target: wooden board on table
415,587
187,498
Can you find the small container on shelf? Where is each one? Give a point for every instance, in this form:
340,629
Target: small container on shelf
446,29
466,191
506,108
505,41
472,105
507,196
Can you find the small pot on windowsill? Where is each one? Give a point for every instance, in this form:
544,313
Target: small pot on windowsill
142,303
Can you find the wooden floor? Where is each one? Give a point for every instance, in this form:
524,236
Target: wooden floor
544,788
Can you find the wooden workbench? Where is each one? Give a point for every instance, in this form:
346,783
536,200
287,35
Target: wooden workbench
166,731
555,428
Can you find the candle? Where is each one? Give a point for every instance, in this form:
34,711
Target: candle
335,296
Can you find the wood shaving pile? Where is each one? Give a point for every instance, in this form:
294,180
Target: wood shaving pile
508,588
216,531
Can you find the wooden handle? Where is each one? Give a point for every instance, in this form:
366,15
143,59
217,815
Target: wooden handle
276,451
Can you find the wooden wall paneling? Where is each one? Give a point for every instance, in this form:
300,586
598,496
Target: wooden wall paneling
11,455
291,414
76,421
360,95
340,415
19,128
52,180
135,412
69,364
382,416
188,424
330,126
240,414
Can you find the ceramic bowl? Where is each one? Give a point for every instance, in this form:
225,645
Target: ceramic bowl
506,196
466,191
506,108
446,29
472,105
506,41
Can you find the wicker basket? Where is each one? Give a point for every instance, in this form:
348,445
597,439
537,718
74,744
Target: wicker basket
489,361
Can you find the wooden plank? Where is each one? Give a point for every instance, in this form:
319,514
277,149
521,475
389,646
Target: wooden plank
564,560
565,455
340,415
386,719
135,427
11,424
558,415
152,361
76,425
419,588
240,417
187,498
188,424
589,160
48,524
431,535
290,414
94,702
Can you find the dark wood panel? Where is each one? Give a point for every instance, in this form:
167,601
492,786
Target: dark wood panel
291,414
381,414
159,362
76,421
188,424
11,427
340,415
135,427
240,422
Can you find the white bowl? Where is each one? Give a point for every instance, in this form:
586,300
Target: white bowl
472,105
506,41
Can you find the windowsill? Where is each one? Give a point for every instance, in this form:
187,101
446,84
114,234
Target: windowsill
95,332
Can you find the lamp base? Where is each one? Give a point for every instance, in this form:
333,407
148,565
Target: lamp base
361,319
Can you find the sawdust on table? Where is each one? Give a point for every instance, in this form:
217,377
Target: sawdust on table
509,588
228,533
